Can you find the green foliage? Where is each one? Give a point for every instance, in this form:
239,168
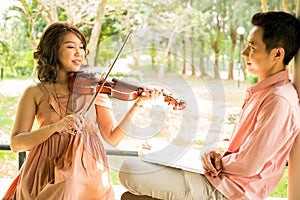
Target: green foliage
18,64
25,63
4,50
114,174
8,164
210,22
199,142
232,118
110,26
252,79
61,14
7,156
281,188
8,107
106,55
118,74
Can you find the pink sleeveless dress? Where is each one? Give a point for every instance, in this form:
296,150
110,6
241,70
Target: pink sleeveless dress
65,167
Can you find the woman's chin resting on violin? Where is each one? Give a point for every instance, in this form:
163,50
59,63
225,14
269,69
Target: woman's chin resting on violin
66,158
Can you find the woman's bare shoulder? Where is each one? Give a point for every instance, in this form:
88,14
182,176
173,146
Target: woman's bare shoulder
34,92
32,88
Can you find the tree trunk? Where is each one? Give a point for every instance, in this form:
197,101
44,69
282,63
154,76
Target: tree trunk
193,53
184,57
49,13
95,35
264,5
243,64
153,54
202,67
286,6
169,60
232,50
216,49
231,63
31,24
216,67
193,60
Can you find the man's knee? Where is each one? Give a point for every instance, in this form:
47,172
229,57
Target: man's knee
124,173
130,172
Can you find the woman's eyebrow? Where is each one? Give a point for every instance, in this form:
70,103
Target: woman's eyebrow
66,42
72,42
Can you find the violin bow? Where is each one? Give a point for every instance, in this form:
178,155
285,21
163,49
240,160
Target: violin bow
107,74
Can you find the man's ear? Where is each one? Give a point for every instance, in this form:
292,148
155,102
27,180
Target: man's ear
278,53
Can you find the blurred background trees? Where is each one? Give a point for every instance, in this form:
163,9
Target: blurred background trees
207,30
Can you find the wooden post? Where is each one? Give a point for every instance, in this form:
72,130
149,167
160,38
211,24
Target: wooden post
294,157
296,70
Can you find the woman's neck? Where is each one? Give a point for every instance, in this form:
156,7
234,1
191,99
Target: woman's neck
62,77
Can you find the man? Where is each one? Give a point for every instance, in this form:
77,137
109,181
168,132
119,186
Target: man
268,124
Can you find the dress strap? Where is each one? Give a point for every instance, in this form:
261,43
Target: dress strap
43,89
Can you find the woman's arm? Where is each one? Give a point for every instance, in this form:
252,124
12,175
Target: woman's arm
114,134
111,133
22,137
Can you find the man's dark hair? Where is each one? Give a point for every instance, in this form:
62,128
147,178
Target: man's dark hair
281,29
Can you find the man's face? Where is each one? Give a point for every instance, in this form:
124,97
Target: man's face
258,60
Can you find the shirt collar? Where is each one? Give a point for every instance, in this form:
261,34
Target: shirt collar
276,78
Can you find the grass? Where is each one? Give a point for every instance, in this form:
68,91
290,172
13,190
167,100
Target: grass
8,160
114,174
281,188
9,163
8,107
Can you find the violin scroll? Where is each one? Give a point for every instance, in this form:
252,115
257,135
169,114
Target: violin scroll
177,105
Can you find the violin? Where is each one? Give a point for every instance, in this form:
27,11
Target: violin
89,83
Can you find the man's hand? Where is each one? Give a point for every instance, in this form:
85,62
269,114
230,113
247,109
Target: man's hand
212,162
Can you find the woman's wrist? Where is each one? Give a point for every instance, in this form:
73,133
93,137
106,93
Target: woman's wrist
139,105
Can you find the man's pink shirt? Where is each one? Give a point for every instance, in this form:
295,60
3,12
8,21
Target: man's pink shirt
262,139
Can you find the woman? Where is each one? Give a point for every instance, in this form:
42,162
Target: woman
67,159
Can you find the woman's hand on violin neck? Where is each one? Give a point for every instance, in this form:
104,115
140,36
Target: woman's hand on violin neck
71,124
150,95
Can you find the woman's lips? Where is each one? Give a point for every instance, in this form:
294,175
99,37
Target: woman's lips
77,62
